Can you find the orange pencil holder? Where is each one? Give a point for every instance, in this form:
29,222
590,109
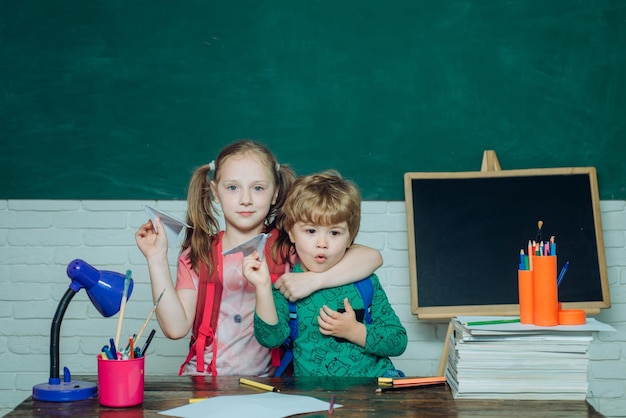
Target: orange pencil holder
545,292
525,287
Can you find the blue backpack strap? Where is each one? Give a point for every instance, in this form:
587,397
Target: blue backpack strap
288,344
366,289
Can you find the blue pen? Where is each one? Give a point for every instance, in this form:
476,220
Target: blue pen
113,349
108,353
562,274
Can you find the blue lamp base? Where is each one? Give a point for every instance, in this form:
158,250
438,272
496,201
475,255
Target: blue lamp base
66,391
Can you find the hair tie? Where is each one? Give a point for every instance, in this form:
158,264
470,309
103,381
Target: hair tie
212,166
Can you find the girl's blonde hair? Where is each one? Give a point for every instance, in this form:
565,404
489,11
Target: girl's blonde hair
324,198
201,212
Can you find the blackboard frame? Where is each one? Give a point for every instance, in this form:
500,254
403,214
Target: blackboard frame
414,180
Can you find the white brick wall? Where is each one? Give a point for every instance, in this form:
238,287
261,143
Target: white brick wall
38,238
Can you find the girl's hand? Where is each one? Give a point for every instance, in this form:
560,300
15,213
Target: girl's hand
256,271
296,286
342,324
149,241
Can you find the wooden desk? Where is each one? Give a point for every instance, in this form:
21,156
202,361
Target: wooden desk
356,394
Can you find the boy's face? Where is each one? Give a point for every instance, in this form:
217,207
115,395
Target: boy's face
320,247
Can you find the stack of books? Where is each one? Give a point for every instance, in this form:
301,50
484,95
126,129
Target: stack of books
499,358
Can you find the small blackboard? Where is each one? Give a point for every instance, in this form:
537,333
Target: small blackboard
466,230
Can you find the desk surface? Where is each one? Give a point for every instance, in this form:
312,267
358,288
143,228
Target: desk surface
356,394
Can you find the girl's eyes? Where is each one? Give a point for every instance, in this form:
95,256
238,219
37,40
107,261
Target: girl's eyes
233,187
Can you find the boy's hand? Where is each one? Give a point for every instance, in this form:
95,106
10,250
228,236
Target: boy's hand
256,271
342,324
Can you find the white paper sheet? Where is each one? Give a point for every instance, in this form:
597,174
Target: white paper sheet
172,225
262,405
591,325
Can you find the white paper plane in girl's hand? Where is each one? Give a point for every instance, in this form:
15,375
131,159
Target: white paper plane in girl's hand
172,225
256,243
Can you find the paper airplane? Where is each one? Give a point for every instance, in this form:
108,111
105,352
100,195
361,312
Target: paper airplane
172,225
257,243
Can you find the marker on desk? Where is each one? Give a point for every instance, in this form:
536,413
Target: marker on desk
435,381
562,274
331,407
418,381
258,385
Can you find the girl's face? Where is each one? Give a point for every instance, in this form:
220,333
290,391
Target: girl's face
320,247
245,189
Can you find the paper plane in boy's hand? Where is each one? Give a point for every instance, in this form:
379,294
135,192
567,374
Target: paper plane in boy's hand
172,225
257,243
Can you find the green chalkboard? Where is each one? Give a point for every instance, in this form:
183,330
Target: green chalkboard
123,99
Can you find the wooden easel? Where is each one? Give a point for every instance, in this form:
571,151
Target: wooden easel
490,163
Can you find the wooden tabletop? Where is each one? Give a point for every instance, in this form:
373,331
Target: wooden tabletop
357,395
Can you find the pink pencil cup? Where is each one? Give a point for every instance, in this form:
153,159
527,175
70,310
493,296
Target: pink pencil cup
120,382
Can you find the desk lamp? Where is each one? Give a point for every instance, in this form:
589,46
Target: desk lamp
105,290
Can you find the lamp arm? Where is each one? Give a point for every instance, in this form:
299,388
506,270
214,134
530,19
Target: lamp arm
55,332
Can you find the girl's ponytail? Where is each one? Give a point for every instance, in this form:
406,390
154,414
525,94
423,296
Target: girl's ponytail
285,176
201,216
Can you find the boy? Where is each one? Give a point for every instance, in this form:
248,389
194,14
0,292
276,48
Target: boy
320,220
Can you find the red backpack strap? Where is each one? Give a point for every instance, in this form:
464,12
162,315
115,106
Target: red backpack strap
207,314
277,351
276,270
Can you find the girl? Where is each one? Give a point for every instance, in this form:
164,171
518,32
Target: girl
210,289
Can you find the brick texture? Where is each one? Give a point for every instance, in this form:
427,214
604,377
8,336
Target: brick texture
38,238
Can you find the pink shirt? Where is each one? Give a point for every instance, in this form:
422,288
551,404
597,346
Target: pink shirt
238,352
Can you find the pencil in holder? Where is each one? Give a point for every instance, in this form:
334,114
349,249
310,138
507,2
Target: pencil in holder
525,287
545,293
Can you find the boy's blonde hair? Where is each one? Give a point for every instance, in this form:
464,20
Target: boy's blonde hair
323,198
